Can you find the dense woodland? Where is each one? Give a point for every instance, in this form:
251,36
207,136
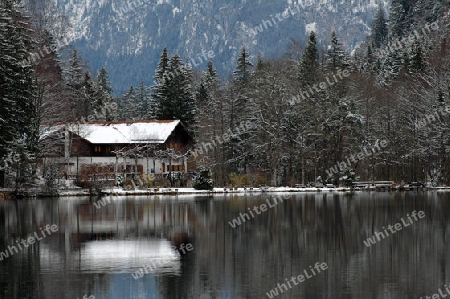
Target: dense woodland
307,117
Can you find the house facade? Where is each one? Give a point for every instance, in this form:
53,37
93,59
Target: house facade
116,148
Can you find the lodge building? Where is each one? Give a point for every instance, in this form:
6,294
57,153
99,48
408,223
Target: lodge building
139,147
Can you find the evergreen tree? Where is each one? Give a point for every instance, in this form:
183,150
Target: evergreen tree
162,68
336,57
240,111
203,181
75,80
401,17
208,85
91,100
394,64
417,60
205,96
379,28
202,95
145,103
261,64
128,106
103,82
430,11
17,90
211,75
174,94
241,79
241,75
159,90
76,70
105,93
210,119
309,64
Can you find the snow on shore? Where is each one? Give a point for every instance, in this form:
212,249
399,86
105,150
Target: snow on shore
186,191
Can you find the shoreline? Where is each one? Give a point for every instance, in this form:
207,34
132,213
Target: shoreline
6,194
191,191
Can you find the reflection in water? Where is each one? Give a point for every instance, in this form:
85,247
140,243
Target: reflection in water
95,251
115,256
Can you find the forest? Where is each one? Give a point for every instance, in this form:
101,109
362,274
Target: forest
311,109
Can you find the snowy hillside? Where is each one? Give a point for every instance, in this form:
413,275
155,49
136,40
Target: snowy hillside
127,37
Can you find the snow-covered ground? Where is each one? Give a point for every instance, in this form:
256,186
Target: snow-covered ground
185,191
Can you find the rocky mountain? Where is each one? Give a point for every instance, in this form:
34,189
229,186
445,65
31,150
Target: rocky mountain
127,36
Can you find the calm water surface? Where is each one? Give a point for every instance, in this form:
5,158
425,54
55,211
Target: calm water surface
96,250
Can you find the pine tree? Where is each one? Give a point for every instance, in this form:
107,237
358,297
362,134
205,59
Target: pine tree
91,100
145,103
128,106
309,64
173,94
401,17
208,85
17,90
162,68
379,28
159,89
239,110
202,95
336,57
417,61
103,82
241,78
261,63
241,75
76,70
105,93
75,80
394,63
205,97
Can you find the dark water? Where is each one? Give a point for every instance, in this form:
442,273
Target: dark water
95,251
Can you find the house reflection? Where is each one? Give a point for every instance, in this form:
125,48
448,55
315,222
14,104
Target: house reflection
96,250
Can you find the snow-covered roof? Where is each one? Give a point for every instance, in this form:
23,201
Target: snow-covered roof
120,132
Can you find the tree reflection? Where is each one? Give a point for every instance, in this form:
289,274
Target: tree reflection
242,262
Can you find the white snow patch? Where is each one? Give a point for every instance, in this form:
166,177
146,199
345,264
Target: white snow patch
311,27
175,10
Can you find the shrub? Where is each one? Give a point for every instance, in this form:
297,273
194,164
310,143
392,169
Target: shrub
203,181
239,180
347,178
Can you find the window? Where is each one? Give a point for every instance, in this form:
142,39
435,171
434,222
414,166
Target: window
98,149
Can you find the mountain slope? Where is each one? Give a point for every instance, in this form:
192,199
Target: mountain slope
127,37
